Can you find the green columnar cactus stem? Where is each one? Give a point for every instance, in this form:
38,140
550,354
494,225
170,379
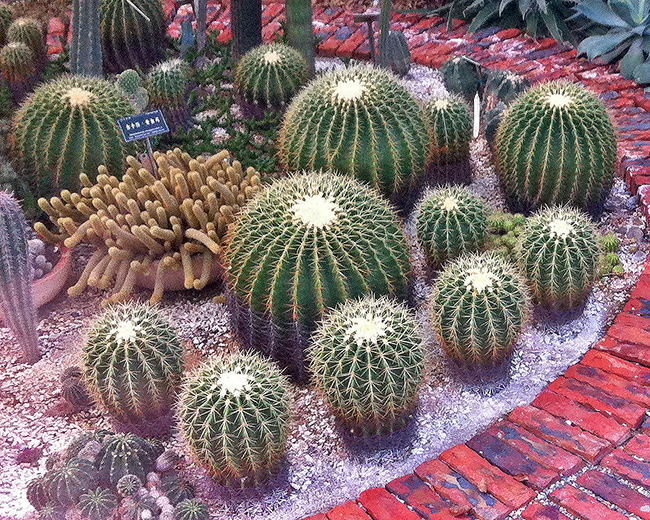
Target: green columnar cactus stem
124,454
303,246
86,45
167,85
234,416
451,129
558,253
398,55
479,308
132,362
129,40
6,17
462,76
17,62
557,145
384,31
16,298
81,133
191,509
451,221
97,504
360,121
270,75
367,357
300,32
29,32
69,481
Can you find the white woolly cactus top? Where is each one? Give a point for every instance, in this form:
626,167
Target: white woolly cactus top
478,280
441,104
561,228
79,97
125,332
558,100
349,90
368,329
169,65
315,211
272,57
450,204
233,382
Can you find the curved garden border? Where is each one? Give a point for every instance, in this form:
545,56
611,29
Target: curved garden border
583,445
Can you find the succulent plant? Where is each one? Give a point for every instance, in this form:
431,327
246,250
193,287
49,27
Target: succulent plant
17,62
133,362
167,461
463,76
610,243
191,509
302,246
6,17
81,133
451,221
74,389
503,87
81,441
97,504
167,85
66,483
492,119
124,454
557,145
30,32
479,307
451,129
85,44
234,416
360,121
175,217
130,82
271,75
128,485
16,300
558,253
37,493
52,512
129,39
398,55
176,489
367,358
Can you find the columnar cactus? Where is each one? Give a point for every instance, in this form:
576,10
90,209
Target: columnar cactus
191,509
479,307
6,17
271,75
29,32
556,145
451,221
132,362
504,87
69,481
17,62
16,300
360,121
397,53
451,129
133,33
167,85
559,254
234,415
81,133
86,45
463,76
303,246
367,357
97,504
124,454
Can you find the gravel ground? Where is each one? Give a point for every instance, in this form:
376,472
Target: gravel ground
324,465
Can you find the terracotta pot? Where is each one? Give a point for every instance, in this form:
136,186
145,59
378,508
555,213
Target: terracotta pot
175,280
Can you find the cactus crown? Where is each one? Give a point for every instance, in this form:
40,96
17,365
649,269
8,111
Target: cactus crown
479,308
556,145
270,75
451,221
367,357
17,61
451,129
191,509
361,121
69,481
132,362
558,252
29,32
97,504
234,416
167,83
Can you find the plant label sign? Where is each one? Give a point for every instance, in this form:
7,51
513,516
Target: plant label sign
143,126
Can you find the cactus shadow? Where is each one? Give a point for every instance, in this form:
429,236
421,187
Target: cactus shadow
482,380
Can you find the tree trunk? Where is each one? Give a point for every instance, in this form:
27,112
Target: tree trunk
86,48
300,30
246,22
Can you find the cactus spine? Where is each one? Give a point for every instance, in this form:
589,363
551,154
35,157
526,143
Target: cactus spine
132,361
86,45
6,17
29,32
559,255
16,298
167,86
451,129
234,416
17,62
556,145
124,454
69,481
479,308
97,504
367,358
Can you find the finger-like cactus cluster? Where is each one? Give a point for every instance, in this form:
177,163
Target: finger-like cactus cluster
451,221
234,416
559,255
304,245
271,75
556,145
367,357
173,218
167,85
17,62
361,121
451,129
479,307
133,363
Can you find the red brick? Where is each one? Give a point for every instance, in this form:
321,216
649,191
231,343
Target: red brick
608,488
381,505
350,44
537,511
348,511
507,34
628,467
594,422
328,47
558,432
611,384
467,497
424,500
56,27
629,334
633,320
614,365
271,12
225,35
639,446
581,504
635,353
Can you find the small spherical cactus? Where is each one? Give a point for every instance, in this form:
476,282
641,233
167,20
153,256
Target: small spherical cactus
270,75
367,357
556,145
479,307
129,81
74,389
97,504
167,85
451,129
29,32
360,121
451,221
37,494
503,87
610,243
176,489
124,454
6,17
234,416
52,512
17,62
133,362
558,253
66,483
462,76
191,509
128,485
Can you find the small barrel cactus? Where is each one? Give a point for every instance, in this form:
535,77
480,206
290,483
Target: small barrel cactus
97,504
52,512
129,39
558,253
463,76
451,221
29,32
303,246
367,357
176,489
556,145
191,509
397,53
503,87
360,121
270,75
124,454
132,362
479,308
37,493
17,62
451,129
6,17
492,119
74,389
234,415
167,85
69,481
128,485
609,243
130,83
